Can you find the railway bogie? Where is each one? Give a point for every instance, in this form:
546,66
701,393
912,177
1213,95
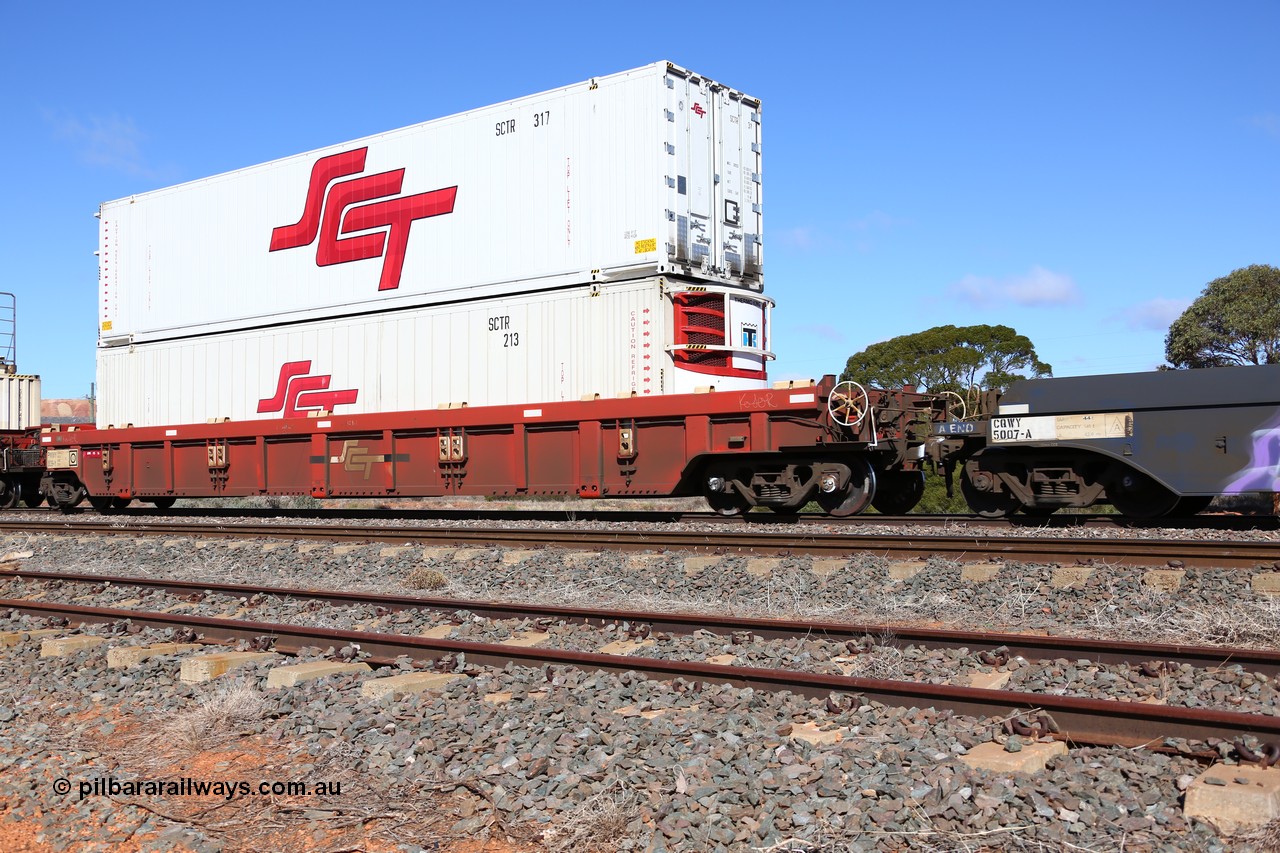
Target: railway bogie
21,468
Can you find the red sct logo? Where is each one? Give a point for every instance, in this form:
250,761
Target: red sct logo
697,108
338,209
297,393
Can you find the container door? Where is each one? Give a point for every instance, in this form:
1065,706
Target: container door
715,143
690,104
737,202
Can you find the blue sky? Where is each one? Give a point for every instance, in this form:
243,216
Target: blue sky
1077,171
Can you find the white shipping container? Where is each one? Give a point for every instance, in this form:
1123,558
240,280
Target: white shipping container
646,337
19,401
650,171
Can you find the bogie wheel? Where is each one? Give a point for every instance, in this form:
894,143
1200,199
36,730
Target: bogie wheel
988,504
855,496
121,503
1039,511
102,503
726,503
849,404
164,502
898,492
32,499
66,498
12,493
1136,495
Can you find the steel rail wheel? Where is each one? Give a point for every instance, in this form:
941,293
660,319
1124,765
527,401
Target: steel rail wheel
985,502
855,496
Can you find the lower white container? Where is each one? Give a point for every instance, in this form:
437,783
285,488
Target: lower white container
19,401
644,337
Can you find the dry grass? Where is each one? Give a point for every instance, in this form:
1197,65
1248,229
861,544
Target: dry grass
424,578
1152,616
794,592
598,824
1265,837
885,603
221,713
878,658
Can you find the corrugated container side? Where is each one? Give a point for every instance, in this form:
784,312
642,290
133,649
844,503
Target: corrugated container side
654,170
19,401
545,347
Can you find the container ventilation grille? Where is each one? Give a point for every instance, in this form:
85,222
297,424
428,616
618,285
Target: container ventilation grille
699,321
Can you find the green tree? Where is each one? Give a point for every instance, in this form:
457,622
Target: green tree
963,359
1236,320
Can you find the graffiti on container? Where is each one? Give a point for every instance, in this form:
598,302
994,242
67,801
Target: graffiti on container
336,209
1263,471
297,393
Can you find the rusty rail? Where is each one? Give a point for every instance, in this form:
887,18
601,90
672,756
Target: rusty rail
617,516
1079,720
1029,646
970,546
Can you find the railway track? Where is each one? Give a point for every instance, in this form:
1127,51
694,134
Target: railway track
967,546
1030,646
1075,719
751,519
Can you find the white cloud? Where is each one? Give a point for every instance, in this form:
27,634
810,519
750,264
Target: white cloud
1037,287
877,220
113,142
1154,315
800,237
859,233
822,330
1269,122
866,228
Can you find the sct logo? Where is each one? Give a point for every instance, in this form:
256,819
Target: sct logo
340,211
356,457
297,393
697,108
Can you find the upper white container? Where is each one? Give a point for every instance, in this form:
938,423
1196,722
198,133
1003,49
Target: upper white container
655,170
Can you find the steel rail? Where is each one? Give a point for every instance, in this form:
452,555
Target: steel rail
1140,552
760,519
1029,646
1079,720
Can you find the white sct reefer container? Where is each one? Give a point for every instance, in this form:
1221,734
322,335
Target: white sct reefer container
651,171
644,337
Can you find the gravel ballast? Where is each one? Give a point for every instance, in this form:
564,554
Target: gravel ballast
561,759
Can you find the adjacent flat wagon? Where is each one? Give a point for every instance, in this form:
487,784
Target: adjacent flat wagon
1151,444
